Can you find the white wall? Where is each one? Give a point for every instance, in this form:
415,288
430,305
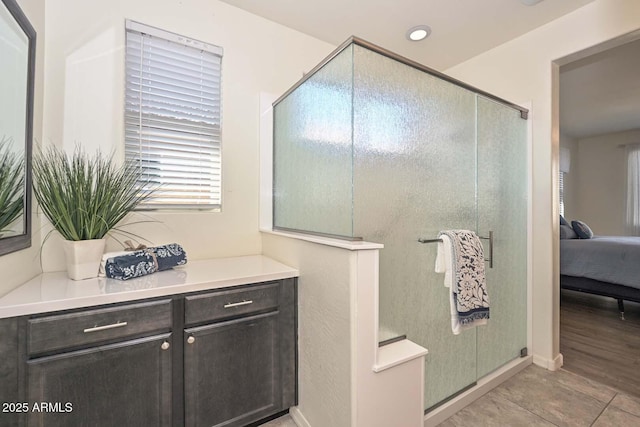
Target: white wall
18,267
84,102
602,180
345,379
325,340
521,70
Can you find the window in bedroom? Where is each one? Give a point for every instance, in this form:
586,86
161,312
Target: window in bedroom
565,165
561,190
172,116
633,189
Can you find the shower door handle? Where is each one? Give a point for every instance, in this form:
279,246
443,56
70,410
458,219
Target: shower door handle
490,239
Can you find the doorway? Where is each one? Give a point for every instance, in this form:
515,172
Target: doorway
599,103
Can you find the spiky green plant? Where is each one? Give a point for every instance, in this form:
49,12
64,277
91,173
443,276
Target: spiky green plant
84,197
11,185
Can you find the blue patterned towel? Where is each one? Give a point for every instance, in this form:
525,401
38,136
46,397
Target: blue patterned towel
145,261
461,258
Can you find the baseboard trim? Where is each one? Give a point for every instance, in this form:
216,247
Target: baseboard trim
557,362
550,364
484,385
298,418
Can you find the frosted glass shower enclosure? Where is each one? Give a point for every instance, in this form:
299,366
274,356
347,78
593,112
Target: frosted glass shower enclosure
373,146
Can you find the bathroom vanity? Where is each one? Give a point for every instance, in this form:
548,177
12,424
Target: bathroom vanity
213,343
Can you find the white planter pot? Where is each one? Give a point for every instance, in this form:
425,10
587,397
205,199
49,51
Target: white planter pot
83,258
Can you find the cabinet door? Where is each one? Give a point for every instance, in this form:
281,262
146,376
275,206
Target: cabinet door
9,357
232,371
122,384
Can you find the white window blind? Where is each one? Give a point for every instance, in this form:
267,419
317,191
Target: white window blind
172,116
633,189
561,191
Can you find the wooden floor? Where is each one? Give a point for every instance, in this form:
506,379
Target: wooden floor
597,344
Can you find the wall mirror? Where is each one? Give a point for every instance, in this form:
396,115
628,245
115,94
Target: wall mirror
17,53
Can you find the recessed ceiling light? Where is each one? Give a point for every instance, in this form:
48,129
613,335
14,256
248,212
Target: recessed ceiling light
530,2
418,33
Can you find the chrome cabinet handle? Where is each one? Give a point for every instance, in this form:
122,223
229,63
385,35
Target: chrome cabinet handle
237,304
191,339
105,327
165,345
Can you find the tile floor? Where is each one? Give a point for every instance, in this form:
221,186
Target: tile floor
537,397
285,421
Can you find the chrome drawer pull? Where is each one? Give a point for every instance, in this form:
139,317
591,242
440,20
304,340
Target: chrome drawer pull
105,327
236,304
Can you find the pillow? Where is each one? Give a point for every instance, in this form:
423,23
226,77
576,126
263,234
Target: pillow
582,230
566,232
563,221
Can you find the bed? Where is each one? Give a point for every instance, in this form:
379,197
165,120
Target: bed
602,265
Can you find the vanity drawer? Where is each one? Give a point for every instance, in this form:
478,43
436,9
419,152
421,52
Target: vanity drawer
86,327
223,304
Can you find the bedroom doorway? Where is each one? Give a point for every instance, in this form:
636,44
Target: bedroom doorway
598,94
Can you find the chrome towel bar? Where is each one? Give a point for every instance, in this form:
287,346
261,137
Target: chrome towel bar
490,239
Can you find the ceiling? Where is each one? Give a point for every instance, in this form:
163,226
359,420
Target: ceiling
461,29
598,94
601,93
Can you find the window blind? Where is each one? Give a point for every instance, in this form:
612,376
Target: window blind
172,116
561,191
633,189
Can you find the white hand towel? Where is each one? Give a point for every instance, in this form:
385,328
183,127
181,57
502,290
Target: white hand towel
105,257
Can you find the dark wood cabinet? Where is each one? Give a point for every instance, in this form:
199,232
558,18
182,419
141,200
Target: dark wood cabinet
121,384
215,358
9,378
239,362
232,371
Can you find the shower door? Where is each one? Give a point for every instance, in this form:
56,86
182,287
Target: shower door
502,208
429,156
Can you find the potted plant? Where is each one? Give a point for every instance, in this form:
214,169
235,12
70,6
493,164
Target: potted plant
11,186
84,198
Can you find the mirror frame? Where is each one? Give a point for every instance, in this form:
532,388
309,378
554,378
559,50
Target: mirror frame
22,241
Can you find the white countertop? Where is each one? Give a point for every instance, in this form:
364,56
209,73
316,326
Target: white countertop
55,291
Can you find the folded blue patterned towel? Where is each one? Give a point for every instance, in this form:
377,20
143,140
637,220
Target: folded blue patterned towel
145,261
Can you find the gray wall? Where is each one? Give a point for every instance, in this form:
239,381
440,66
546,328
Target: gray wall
596,185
